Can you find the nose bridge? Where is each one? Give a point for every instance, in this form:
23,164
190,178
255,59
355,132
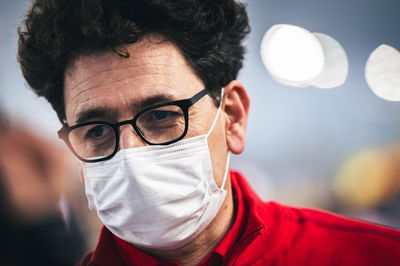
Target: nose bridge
128,137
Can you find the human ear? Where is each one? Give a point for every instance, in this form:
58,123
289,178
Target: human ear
236,107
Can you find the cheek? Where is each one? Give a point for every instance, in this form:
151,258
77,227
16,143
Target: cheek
81,175
201,117
196,128
218,150
198,124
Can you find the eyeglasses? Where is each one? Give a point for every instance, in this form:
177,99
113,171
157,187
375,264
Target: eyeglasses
161,124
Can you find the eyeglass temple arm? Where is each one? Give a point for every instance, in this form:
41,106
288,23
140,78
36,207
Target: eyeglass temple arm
198,96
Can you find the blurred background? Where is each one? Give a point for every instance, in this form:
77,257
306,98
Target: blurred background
335,149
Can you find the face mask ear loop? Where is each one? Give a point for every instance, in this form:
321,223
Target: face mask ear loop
209,132
228,158
217,115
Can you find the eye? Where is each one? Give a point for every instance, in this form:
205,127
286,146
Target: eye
162,115
99,131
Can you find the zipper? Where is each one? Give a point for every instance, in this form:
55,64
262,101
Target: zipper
242,245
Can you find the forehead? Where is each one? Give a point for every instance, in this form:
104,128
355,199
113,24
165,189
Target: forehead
106,80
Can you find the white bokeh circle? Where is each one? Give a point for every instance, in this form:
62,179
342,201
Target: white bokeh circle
292,55
336,66
382,72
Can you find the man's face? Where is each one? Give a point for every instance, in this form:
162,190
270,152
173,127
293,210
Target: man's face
104,86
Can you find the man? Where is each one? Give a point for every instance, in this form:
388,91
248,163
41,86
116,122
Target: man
147,95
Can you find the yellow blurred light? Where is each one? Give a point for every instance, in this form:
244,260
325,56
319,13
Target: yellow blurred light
367,179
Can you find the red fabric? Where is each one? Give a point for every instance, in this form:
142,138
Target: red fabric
273,234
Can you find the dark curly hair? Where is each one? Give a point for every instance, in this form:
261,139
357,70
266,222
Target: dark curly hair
55,32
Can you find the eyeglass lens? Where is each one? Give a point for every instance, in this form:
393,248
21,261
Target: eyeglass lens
157,126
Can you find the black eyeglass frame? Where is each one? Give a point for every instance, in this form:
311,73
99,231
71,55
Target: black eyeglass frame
184,104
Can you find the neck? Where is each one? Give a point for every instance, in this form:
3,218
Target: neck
197,250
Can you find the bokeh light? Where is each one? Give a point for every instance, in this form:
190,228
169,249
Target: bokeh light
367,179
383,72
292,55
336,65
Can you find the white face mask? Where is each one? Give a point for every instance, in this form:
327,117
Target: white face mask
158,197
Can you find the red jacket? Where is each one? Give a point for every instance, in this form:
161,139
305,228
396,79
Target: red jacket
273,234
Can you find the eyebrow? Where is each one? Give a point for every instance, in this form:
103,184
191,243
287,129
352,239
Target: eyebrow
98,112
111,113
152,100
